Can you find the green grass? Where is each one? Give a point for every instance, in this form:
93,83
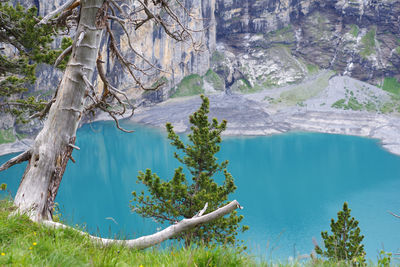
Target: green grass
243,86
7,136
190,85
390,84
311,68
353,104
387,107
303,92
368,41
354,30
23,243
217,82
371,107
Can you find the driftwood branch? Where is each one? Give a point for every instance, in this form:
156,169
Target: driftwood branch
16,160
156,238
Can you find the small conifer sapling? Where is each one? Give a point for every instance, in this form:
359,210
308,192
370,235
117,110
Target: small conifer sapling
345,242
170,201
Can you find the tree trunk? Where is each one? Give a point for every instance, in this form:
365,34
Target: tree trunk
52,148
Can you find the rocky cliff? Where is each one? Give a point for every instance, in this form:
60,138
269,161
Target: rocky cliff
261,43
273,42
249,45
178,59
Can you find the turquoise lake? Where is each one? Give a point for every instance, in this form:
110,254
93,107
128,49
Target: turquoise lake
290,185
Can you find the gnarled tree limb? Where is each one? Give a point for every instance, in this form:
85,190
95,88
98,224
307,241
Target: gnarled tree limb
60,58
52,14
156,238
16,160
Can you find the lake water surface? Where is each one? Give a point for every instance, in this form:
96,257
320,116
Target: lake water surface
290,185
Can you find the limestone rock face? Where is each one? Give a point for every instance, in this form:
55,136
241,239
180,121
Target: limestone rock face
258,16
354,37
178,59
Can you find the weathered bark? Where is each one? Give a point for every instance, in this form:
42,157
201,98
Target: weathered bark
52,148
169,232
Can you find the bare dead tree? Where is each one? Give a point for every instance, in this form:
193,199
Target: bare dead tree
77,95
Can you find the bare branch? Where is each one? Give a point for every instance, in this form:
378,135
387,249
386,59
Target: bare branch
63,55
118,7
74,146
16,160
122,23
59,10
43,113
117,122
156,238
200,213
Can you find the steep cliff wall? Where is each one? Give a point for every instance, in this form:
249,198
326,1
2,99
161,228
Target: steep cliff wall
255,44
178,59
354,37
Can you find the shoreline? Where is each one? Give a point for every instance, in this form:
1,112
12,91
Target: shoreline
248,116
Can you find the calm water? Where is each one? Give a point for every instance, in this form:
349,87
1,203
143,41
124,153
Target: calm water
290,185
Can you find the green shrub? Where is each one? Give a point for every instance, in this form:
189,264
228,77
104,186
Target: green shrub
353,104
370,107
170,201
388,107
340,104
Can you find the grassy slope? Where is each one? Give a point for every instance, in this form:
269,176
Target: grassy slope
23,243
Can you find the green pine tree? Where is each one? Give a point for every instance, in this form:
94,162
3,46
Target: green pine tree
24,44
345,242
170,201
